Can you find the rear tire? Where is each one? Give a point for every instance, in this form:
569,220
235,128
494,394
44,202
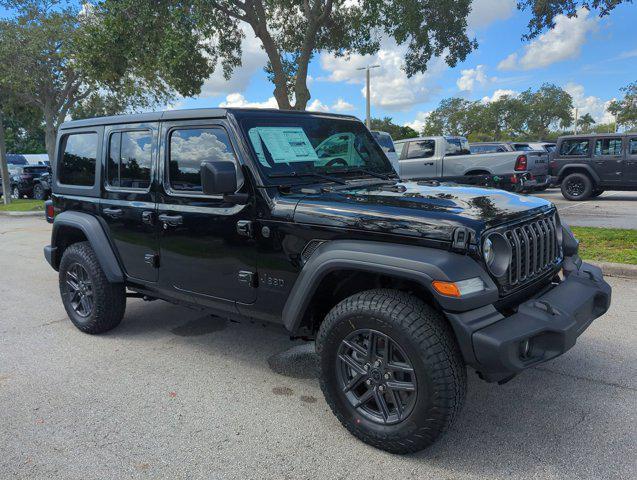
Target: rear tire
93,304
407,334
15,193
577,186
39,193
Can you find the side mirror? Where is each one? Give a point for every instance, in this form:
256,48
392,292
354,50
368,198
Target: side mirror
218,177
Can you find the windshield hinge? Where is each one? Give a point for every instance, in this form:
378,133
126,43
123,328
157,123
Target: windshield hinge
461,237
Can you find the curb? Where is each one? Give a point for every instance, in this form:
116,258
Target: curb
621,270
35,213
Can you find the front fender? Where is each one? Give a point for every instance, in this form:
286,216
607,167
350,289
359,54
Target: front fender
578,166
409,262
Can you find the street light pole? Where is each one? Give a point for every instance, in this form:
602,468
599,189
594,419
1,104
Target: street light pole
368,118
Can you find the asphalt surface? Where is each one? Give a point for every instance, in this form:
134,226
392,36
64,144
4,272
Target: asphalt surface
173,393
610,209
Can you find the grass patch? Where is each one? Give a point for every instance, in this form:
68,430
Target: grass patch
615,245
22,205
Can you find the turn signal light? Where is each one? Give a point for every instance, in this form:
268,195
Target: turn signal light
446,288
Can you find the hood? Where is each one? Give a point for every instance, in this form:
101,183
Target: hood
421,210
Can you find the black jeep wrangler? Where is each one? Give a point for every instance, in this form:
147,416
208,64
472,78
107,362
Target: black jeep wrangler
587,165
298,218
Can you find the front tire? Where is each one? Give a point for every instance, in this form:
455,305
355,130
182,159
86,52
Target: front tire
39,193
577,186
391,370
93,304
15,193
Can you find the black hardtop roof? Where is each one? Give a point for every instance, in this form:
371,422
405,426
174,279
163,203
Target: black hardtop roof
601,135
188,114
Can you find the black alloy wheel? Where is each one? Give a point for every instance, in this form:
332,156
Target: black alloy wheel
577,186
376,376
79,290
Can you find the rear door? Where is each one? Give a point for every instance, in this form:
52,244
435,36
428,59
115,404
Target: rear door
418,159
608,158
128,200
630,165
207,253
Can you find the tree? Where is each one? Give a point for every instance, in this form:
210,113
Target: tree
545,11
625,110
454,116
43,67
586,121
397,132
184,41
549,106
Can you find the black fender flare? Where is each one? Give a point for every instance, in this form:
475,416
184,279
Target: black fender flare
409,262
92,229
578,166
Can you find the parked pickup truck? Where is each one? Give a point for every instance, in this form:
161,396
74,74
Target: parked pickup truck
449,157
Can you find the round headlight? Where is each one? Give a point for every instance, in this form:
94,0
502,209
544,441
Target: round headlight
496,251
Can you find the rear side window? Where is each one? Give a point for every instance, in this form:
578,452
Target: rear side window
77,165
608,146
421,149
576,147
189,148
632,146
399,148
130,159
457,146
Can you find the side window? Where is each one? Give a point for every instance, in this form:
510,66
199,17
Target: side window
421,149
77,165
608,146
632,146
399,148
575,147
188,149
130,159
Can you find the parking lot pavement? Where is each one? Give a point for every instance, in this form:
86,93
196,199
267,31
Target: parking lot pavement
174,393
610,209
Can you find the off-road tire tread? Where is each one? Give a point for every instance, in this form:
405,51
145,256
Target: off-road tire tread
586,195
109,298
433,337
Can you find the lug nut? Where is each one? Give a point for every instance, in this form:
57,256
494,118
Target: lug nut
386,376
377,363
381,388
368,381
367,366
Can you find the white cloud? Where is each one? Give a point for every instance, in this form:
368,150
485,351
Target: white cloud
595,106
237,100
471,78
562,42
342,106
317,106
485,12
253,58
628,54
418,123
498,94
390,87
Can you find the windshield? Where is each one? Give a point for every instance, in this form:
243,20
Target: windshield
300,145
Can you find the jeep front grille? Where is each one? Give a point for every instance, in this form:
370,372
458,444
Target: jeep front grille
535,250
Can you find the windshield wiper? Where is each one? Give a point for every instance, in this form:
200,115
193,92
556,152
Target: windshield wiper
361,170
307,174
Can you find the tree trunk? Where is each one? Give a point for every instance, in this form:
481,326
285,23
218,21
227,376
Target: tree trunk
50,136
4,168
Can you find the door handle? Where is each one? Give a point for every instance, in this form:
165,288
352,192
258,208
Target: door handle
172,220
428,163
148,217
113,212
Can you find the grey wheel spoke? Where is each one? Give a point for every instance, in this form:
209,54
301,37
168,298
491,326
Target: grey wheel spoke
353,364
382,404
397,403
405,386
364,398
355,382
400,367
356,347
86,304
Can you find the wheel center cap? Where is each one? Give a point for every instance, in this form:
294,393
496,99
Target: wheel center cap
376,375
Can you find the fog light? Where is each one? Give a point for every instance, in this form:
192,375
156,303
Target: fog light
525,349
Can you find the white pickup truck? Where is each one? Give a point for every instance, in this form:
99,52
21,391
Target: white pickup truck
446,157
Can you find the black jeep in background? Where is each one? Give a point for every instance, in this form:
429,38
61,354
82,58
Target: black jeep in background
28,180
587,165
298,219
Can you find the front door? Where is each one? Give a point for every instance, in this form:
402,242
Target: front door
630,165
206,250
418,160
128,202
608,159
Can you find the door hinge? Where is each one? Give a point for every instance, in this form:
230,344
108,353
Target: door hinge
244,228
248,278
152,259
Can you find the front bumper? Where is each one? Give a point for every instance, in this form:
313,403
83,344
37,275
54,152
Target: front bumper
542,328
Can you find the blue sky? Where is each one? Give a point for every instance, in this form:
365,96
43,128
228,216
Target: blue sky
592,58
